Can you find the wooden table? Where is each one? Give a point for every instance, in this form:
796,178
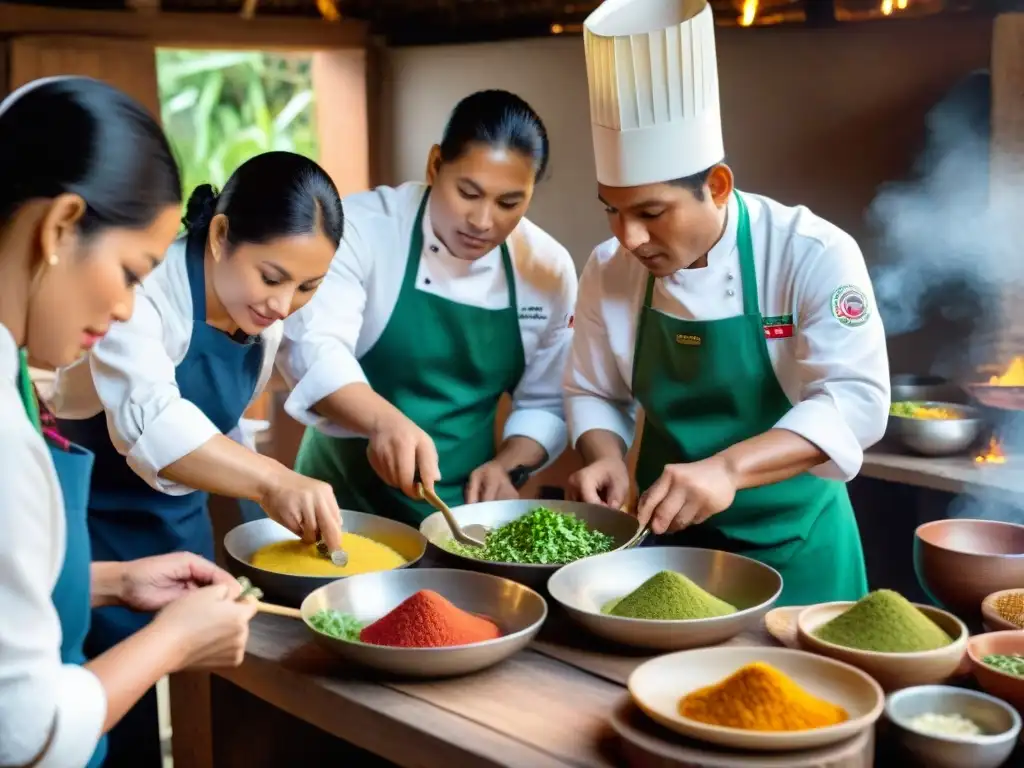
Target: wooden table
547,706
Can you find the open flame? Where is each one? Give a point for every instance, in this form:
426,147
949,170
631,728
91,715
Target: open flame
993,454
1014,376
749,13
888,6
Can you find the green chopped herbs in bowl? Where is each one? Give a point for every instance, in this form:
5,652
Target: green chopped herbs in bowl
342,626
1010,664
541,537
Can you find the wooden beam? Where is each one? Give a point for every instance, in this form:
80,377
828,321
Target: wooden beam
1006,174
187,30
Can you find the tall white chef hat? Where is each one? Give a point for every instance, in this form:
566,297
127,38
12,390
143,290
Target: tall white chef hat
653,79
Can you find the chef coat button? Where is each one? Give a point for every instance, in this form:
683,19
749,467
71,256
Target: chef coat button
730,276
426,281
433,249
730,292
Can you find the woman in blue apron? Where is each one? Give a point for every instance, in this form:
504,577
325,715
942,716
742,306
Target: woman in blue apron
442,298
91,192
164,391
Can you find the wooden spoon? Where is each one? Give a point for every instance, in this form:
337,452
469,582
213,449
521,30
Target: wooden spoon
471,535
276,610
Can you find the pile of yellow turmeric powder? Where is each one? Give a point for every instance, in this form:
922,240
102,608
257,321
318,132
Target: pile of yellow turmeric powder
758,697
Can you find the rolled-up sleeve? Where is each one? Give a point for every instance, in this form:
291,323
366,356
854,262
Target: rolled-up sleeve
538,407
48,710
318,355
150,423
596,395
841,357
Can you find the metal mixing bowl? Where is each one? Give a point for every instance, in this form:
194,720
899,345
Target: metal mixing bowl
937,437
586,585
911,387
289,589
623,528
517,610
998,720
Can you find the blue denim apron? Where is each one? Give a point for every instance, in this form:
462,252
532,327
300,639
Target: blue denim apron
128,519
70,595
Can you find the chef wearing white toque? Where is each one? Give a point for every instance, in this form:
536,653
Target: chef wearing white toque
746,329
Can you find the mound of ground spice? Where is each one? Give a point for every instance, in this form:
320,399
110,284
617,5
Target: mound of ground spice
668,595
428,620
885,622
758,697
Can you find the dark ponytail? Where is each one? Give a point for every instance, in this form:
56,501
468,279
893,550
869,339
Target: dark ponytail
201,208
498,119
76,135
272,195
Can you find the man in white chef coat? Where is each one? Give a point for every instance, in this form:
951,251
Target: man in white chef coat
745,329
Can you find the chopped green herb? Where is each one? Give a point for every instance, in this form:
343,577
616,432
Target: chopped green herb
1011,664
343,626
248,590
542,536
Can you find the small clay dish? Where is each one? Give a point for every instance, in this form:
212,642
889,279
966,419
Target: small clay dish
1000,684
892,670
993,620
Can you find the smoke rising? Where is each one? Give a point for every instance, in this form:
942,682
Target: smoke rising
945,255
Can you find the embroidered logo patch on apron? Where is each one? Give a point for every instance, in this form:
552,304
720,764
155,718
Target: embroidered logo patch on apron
850,306
688,339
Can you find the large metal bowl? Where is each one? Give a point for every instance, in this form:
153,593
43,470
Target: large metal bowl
623,528
937,437
517,610
289,589
911,387
586,585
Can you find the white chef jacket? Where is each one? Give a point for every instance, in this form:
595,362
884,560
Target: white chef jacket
835,375
130,374
37,691
325,339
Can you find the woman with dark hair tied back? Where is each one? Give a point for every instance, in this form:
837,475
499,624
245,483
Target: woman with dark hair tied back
89,202
167,389
441,298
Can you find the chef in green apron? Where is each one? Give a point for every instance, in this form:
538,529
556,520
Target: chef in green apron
745,329
441,298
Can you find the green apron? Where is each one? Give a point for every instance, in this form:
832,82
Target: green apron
707,385
443,364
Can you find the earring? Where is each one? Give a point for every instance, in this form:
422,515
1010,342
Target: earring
53,259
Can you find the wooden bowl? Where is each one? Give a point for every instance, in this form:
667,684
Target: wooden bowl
892,670
999,684
960,562
993,620
656,687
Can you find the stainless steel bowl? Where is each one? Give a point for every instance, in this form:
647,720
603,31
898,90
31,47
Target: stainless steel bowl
998,720
586,585
623,529
289,589
517,610
911,387
937,437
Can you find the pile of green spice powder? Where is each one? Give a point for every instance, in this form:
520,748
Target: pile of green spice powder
669,596
884,622
540,537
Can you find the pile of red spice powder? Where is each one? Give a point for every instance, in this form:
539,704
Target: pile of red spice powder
427,620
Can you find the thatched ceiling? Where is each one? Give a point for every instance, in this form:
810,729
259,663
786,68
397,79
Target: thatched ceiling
445,21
